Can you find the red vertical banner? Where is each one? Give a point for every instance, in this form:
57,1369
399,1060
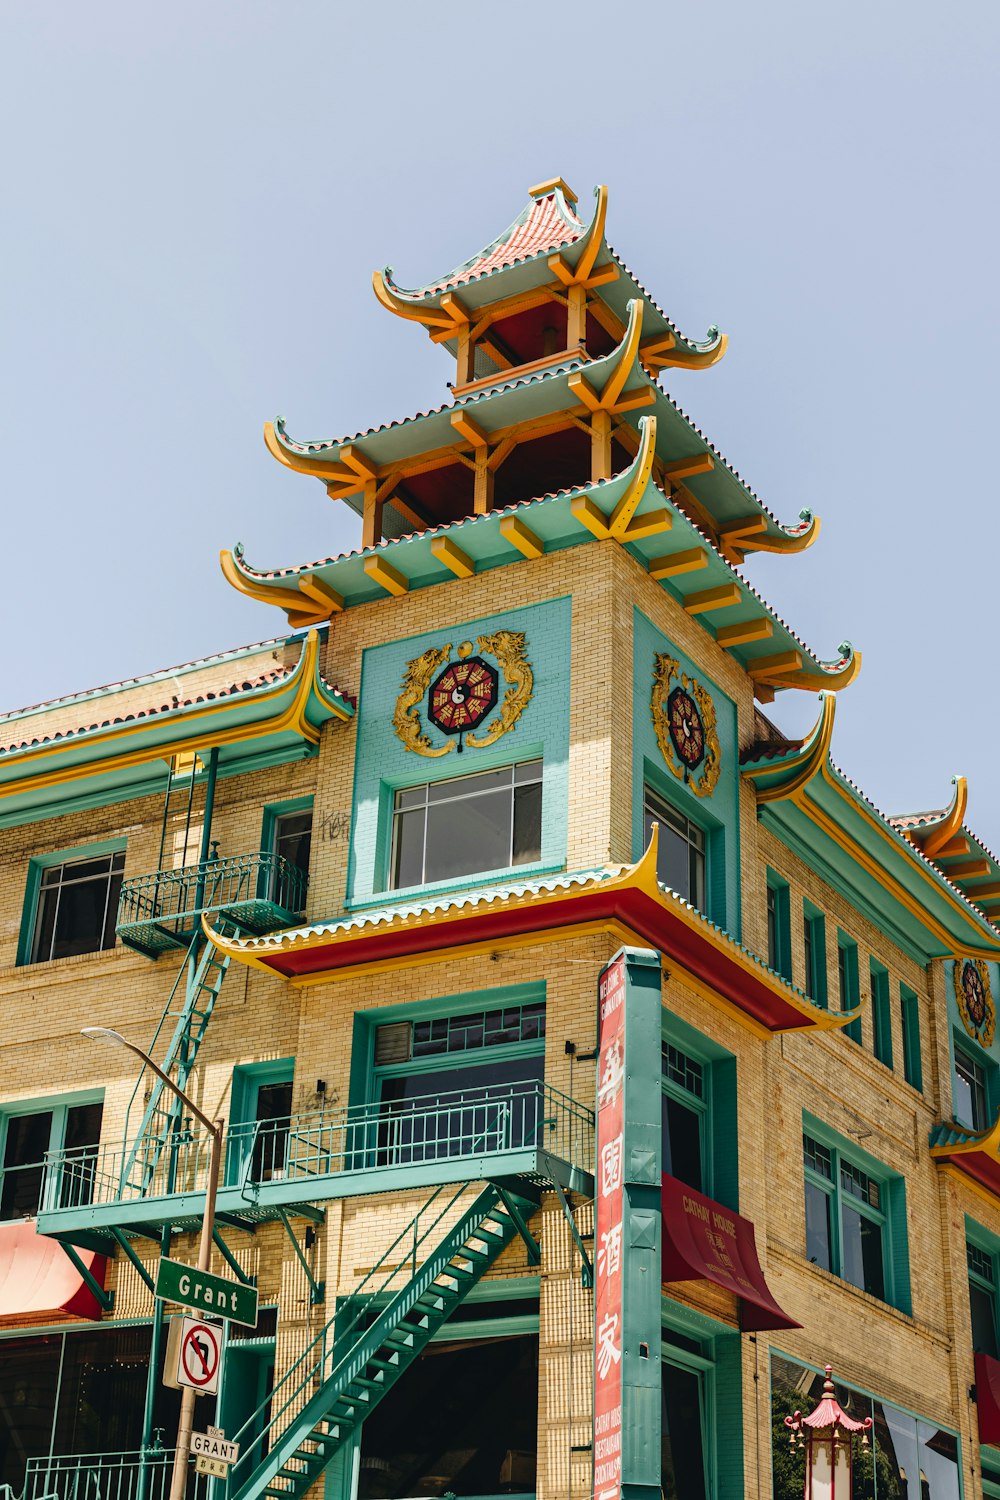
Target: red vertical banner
608,1234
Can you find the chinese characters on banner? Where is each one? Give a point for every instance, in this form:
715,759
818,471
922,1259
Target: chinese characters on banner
608,1231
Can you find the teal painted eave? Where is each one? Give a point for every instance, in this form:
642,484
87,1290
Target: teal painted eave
927,890
552,520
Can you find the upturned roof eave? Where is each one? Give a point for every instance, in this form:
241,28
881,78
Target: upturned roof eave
97,762
555,522
623,900
909,884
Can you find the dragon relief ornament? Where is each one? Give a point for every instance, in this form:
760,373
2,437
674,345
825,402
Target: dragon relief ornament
461,694
974,996
684,720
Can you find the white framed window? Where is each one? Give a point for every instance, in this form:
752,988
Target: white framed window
488,820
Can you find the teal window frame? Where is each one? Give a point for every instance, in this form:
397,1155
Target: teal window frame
273,813
367,1078
715,1106
881,1012
779,925
814,950
983,1247
58,1105
849,983
693,1341
890,1214
982,1063
37,865
248,1079
909,1015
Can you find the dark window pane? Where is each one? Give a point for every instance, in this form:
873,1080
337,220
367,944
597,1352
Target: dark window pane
682,1453
938,1460
464,837
862,1252
77,906
818,1226
527,823
28,1138
970,1091
274,1107
83,1132
470,786
681,1142
408,863
773,949
430,1116
293,838
984,1320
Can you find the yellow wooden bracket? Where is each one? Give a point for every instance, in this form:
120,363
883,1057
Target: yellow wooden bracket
521,536
676,563
382,572
723,597
610,397
457,561
759,629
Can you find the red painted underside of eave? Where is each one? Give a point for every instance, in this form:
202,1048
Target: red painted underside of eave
980,1166
662,929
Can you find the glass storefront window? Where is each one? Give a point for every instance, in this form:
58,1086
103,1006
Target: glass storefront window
907,1458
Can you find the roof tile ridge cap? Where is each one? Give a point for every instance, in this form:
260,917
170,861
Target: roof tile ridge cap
913,848
768,750
145,679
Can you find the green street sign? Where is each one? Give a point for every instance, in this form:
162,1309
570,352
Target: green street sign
206,1293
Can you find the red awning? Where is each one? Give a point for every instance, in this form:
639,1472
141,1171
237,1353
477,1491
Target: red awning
38,1281
988,1399
703,1241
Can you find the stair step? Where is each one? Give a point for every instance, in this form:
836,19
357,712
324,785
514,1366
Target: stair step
373,1385
384,1364
399,1336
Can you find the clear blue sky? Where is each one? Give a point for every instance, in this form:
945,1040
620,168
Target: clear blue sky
195,196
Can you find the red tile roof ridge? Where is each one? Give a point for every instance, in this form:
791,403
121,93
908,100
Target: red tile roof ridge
769,750
275,674
144,678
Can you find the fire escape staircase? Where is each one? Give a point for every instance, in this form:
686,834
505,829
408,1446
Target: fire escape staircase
375,1336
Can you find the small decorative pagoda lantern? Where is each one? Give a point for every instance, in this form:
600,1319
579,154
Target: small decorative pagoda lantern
828,1440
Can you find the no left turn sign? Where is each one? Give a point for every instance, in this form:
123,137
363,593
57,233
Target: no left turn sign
199,1355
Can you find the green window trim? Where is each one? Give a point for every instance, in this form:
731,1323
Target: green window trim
881,1012
248,1080
814,947
779,926
715,1106
36,866
909,1009
849,983
889,1212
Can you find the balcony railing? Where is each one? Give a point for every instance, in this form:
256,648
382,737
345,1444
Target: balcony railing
107,1476
260,891
526,1128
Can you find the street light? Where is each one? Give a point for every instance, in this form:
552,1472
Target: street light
178,1481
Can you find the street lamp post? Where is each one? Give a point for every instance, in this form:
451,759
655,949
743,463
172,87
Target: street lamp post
178,1481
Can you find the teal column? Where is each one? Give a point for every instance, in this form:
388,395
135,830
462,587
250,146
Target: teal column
628,1229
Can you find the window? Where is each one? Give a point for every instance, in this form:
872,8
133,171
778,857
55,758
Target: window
698,1113
849,982
971,1097
261,1120
74,906
855,1220
779,934
74,1130
288,833
684,1439
814,947
983,1299
909,1008
904,1456
491,820
459,1081
680,861
881,1014
684,1117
